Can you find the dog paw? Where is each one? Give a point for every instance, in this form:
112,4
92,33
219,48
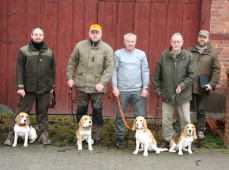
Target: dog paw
157,152
14,145
90,149
135,152
190,152
145,154
80,148
180,153
170,150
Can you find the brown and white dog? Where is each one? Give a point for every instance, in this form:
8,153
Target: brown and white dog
84,132
22,129
183,140
144,137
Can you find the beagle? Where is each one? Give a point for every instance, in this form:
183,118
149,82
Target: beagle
183,140
84,132
22,129
144,137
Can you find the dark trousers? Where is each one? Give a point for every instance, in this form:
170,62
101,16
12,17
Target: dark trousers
41,108
96,100
201,103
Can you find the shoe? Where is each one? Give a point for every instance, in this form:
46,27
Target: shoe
201,135
98,142
164,144
118,142
10,139
44,139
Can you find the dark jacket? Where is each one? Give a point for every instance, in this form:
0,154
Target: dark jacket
35,70
171,72
90,65
207,63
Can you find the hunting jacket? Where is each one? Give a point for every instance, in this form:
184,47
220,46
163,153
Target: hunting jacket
207,63
172,71
35,70
89,65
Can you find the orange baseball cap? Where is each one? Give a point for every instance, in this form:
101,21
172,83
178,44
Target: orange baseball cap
95,27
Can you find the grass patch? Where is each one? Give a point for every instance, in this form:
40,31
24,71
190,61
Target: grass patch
62,132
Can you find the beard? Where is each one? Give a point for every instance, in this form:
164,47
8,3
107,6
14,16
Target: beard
201,43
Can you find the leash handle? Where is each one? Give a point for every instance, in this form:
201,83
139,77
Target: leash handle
122,114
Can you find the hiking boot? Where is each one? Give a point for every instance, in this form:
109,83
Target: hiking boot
201,135
10,139
118,142
98,142
44,139
164,144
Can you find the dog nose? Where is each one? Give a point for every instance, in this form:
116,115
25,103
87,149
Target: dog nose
24,120
90,122
189,130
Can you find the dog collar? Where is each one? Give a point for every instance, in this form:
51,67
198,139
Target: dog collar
139,128
22,124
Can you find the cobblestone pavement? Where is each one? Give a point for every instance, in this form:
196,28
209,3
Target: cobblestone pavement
39,157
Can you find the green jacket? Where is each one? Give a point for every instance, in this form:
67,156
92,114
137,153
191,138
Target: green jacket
35,70
171,72
90,65
207,63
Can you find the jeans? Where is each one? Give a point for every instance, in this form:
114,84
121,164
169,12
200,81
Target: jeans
136,101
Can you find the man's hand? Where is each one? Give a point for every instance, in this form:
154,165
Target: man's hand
99,87
70,83
116,92
178,90
208,87
21,92
144,93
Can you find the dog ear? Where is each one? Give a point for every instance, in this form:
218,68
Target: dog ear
28,120
134,125
17,118
144,125
194,132
184,131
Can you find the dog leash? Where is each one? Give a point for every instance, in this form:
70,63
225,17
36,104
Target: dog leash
157,109
52,103
122,114
71,101
111,97
179,103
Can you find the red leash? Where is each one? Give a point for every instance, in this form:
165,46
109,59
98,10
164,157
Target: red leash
111,96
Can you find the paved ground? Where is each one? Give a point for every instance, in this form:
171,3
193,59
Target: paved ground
38,157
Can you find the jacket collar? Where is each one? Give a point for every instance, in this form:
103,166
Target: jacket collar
206,51
31,46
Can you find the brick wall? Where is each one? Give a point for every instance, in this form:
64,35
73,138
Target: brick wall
219,29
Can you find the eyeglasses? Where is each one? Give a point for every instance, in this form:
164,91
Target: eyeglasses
176,42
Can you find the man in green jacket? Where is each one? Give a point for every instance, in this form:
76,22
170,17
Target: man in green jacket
208,66
172,79
35,79
90,68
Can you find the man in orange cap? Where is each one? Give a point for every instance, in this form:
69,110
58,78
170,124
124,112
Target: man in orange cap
89,69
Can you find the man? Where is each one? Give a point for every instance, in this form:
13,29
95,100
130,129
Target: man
93,61
35,79
173,78
130,80
207,64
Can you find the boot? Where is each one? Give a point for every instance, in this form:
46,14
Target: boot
44,139
96,134
10,139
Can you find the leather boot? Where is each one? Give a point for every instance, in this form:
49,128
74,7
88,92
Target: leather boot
10,139
44,139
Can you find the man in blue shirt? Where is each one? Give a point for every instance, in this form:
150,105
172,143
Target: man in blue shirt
130,81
